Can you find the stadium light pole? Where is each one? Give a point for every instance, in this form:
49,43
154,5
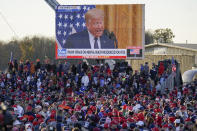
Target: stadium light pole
52,3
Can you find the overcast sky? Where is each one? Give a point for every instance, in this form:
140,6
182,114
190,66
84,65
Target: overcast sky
35,17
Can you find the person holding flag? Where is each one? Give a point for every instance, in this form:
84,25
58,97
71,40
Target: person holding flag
173,66
11,64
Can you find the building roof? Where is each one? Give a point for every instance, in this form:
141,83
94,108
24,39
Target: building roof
192,47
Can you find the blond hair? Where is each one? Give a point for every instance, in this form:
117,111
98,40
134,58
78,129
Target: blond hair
94,14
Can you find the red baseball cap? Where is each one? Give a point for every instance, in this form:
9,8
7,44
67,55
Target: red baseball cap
124,125
106,125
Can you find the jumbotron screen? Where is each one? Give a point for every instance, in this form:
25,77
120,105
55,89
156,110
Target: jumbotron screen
100,31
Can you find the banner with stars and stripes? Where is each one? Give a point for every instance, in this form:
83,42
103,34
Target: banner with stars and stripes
69,20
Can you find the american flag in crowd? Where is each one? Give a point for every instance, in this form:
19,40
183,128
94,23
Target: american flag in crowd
70,22
11,57
134,51
173,65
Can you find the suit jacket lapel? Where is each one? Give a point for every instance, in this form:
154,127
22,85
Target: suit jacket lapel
103,42
86,40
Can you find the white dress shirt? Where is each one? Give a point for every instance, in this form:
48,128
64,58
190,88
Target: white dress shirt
92,41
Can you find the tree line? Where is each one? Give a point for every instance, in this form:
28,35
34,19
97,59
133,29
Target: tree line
28,48
159,36
36,47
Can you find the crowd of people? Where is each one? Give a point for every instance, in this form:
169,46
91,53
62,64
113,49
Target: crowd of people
82,97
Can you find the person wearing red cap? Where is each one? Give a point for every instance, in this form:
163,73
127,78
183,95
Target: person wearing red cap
31,118
52,118
155,129
130,120
96,129
35,123
29,111
114,125
165,127
106,127
18,109
124,127
159,120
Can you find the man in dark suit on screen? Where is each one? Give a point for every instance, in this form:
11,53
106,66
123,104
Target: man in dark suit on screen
93,37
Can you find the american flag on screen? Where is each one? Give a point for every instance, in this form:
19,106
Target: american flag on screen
69,22
134,51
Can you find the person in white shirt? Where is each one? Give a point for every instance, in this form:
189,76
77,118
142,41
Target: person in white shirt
85,80
158,87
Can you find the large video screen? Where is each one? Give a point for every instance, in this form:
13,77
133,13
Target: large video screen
100,31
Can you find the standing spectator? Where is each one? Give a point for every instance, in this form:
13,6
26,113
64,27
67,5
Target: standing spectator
146,69
84,66
21,66
10,66
38,64
153,73
74,69
161,69
158,88
85,80
60,69
15,65
32,70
